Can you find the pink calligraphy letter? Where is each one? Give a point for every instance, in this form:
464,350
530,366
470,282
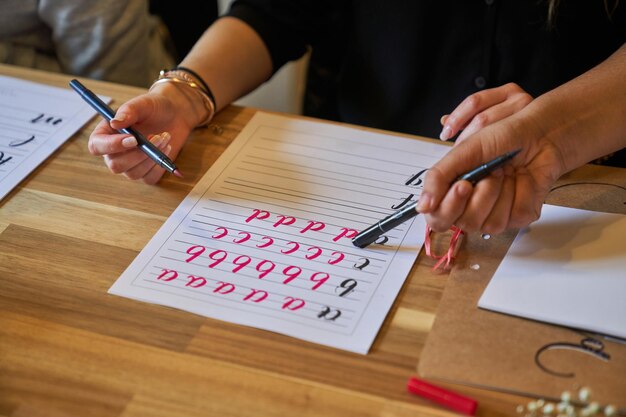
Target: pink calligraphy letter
316,252
195,282
168,275
347,233
256,295
338,259
245,237
299,303
224,288
221,234
268,241
314,226
258,214
195,251
294,247
284,220
319,278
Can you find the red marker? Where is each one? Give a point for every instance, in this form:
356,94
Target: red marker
441,396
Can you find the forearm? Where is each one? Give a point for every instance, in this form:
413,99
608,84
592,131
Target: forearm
586,117
231,58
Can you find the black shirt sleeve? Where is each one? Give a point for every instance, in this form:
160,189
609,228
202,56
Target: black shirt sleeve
287,27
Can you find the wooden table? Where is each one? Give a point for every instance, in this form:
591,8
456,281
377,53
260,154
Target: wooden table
67,348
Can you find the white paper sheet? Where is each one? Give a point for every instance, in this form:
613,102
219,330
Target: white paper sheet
568,268
264,239
35,119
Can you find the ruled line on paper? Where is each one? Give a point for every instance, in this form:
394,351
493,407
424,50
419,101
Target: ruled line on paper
319,169
249,249
368,220
420,152
360,183
337,202
295,321
351,154
268,282
35,119
214,210
369,168
351,256
308,239
264,239
316,183
373,214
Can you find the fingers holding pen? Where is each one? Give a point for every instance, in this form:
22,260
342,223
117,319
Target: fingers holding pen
485,207
148,171
156,172
437,184
498,219
529,198
124,162
104,140
137,111
481,203
450,208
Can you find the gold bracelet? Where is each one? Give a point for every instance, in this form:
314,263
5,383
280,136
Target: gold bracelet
180,78
191,77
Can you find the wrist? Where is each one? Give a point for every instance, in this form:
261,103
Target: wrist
189,94
542,139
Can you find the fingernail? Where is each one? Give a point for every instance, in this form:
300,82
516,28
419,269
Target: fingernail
443,119
446,133
120,117
156,140
163,140
463,188
129,142
423,204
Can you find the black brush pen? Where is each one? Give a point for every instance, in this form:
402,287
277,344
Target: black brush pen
372,233
144,144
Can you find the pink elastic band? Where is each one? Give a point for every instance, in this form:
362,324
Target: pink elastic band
448,257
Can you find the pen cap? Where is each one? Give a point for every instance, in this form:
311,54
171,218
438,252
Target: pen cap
441,396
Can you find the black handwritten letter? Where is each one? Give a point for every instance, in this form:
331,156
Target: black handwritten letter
417,179
329,314
362,265
346,287
17,142
4,160
588,345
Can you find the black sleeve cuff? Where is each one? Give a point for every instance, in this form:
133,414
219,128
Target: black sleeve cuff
276,29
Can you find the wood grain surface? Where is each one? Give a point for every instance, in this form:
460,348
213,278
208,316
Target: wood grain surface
67,348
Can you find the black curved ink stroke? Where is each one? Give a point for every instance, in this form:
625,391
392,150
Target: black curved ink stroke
4,160
16,143
588,183
588,345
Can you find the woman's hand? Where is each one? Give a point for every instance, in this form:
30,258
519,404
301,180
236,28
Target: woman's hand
511,197
558,131
166,116
482,109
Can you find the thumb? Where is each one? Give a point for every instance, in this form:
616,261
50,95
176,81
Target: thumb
440,177
133,112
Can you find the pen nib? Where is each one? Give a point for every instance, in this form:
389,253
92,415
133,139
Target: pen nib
177,173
